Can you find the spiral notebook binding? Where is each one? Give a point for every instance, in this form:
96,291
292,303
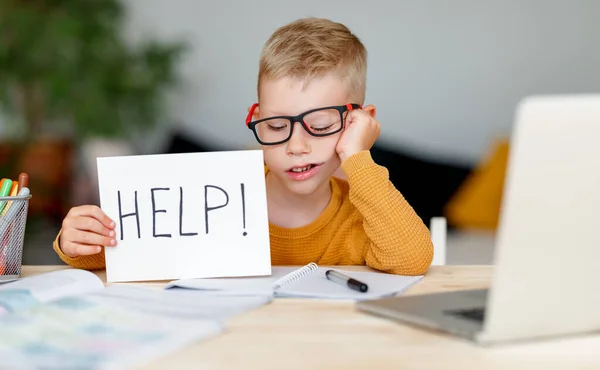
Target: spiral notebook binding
297,274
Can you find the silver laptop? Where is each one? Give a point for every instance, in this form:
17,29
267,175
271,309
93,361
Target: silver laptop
546,278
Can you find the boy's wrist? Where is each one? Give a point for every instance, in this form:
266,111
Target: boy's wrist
356,161
344,156
349,153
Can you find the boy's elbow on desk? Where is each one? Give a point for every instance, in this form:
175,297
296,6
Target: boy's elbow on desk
423,259
416,268
421,256
415,261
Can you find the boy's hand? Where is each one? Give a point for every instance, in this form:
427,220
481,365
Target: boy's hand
85,230
360,133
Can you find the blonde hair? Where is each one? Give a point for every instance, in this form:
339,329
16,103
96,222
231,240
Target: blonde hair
313,47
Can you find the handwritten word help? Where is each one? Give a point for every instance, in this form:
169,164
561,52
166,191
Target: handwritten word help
212,202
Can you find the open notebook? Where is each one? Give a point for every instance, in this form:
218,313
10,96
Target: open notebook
305,282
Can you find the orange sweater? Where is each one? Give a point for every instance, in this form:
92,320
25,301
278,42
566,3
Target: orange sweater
367,222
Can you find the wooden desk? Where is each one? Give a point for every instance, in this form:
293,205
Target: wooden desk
312,334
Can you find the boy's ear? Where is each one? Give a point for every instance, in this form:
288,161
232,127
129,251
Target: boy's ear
370,109
255,113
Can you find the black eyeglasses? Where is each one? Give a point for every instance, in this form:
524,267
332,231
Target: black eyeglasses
317,122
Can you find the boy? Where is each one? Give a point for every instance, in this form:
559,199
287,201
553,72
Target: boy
310,122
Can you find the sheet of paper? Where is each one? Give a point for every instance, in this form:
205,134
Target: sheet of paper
182,303
32,290
190,215
86,333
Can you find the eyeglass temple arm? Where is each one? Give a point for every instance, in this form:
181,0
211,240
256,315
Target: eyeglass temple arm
251,113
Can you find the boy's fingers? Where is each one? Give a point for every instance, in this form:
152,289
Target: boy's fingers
75,249
91,224
84,250
352,117
86,237
95,212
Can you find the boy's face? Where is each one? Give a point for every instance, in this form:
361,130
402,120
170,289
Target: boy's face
304,163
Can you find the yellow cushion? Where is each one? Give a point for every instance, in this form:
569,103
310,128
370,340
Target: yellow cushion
476,204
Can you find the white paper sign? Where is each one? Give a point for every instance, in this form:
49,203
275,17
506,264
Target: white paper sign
186,215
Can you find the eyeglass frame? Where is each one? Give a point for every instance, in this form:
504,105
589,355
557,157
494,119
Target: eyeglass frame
299,118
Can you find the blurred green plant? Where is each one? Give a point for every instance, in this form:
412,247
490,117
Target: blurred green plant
64,64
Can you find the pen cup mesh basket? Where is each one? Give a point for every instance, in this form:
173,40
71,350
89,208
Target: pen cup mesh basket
13,219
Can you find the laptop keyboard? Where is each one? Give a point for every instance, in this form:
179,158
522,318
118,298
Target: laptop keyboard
476,314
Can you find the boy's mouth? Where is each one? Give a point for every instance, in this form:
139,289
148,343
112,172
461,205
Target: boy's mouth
303,168
303,171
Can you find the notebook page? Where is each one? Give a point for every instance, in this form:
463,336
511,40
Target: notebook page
316,285
46,287
236,286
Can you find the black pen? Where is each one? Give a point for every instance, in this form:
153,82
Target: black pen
338,277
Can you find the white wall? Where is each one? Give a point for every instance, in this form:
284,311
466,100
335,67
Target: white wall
445,75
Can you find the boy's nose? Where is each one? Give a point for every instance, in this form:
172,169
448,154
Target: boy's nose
298,143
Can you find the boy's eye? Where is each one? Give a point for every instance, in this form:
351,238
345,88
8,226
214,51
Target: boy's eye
276,126
321,128
323,121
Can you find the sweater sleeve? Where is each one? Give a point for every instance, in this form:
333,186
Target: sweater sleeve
399,242
89,262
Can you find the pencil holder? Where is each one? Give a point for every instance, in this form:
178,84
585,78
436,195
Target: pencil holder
13,218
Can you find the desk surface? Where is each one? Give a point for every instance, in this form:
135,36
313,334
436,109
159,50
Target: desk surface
314,334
